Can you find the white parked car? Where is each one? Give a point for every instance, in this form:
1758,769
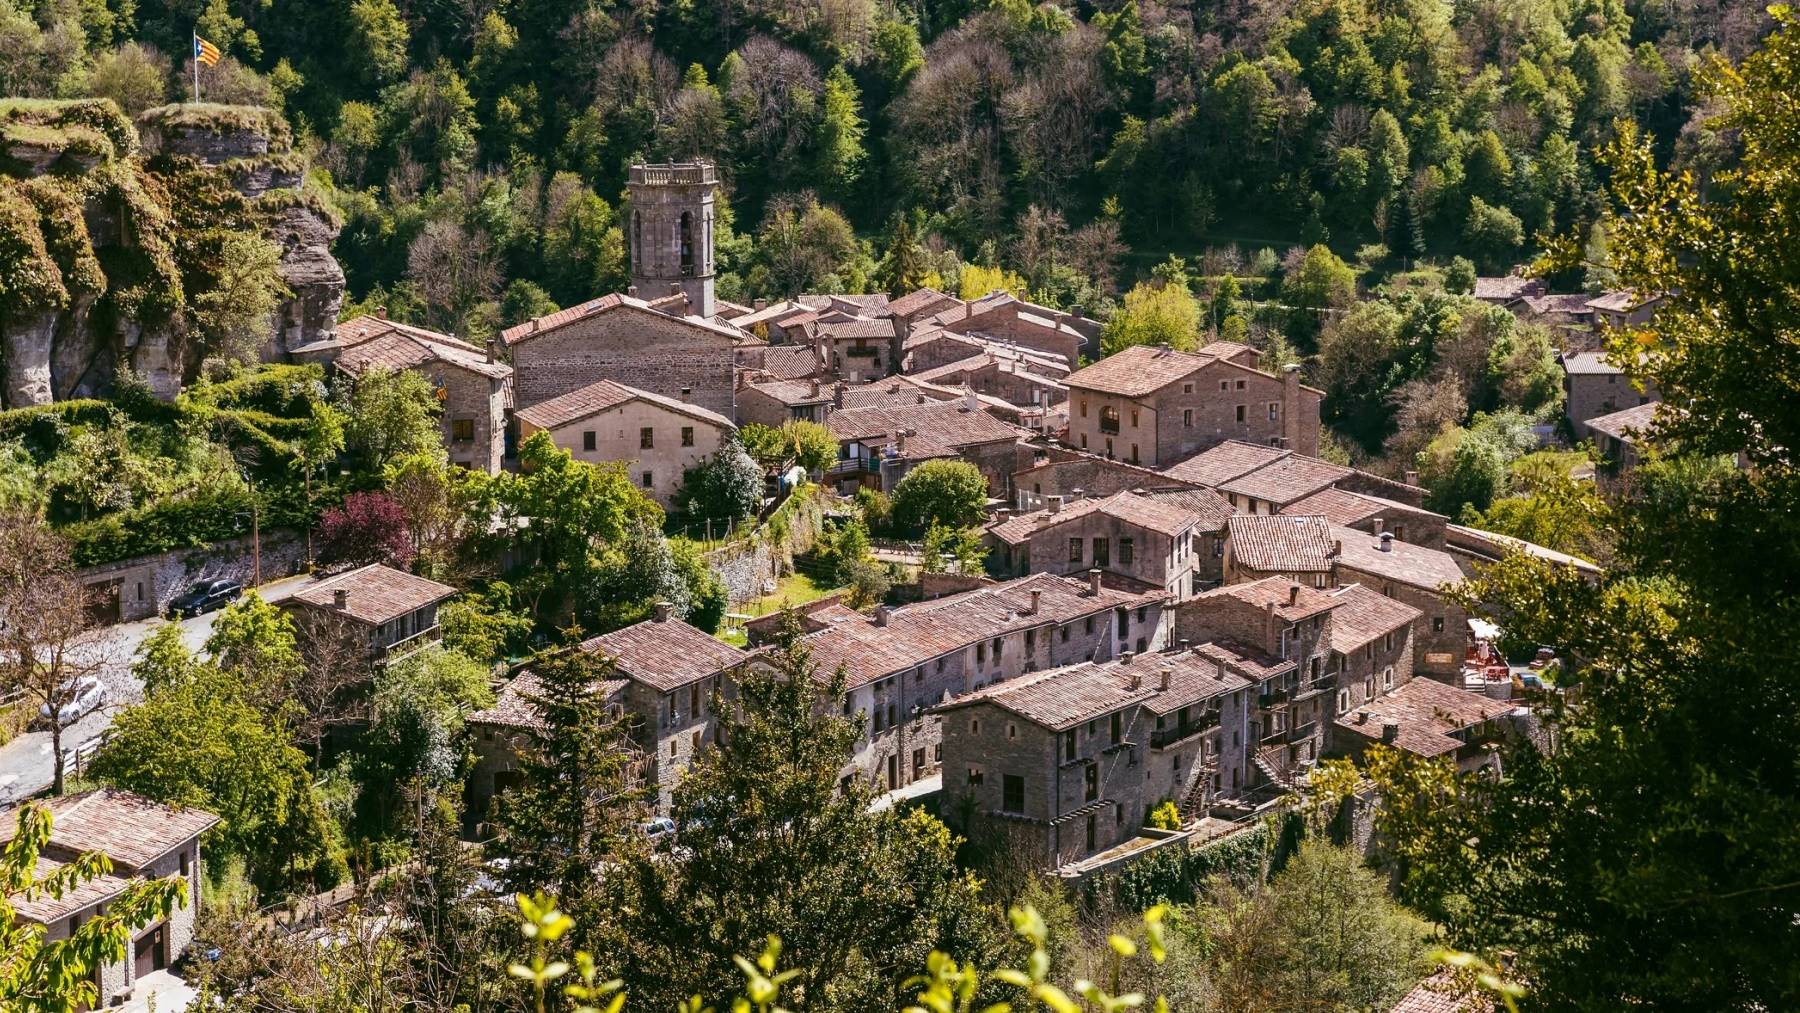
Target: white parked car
90,695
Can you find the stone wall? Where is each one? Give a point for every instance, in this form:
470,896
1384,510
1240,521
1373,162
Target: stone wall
638,347
147,584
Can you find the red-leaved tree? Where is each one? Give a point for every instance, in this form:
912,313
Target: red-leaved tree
369,528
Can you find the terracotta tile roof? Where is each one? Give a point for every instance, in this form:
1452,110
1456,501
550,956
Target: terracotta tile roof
1588,364
1572,304
1276,591
794,392
513,706
586,402
397,350
1062,698
1210,511
1196,675
1137,371
857,327
1441,994
666,655
1164,516
1004,361
45,909
378,593
607,304
1247,661
1285,480
919,632
1510,287
919,300
1280,542
772,311
1427,713
132,830
936,429
1622,301
1630,425
730,310
1338,506
865,304
1363,615
1415,565
790,362
1215,466
1233,350
1490,545
365,326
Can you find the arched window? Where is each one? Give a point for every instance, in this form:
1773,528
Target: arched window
687,244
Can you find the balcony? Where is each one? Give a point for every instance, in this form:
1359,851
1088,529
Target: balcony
1324,684
407,645
1164,738
855,466
1272,698
1300,733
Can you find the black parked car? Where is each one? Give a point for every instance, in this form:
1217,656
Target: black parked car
205,597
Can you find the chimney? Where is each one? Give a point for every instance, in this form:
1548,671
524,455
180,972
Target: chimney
631,290
674,288
1125,657
1293,592
381,312
1036,597
882,614
1181,647
1054,504
900,440
493,354
1337,547
1094,581
1219,669
815,386
662,610
340,599
743,379
1379,524
759,304
970,401
1412,477
837,394
1162,679
1387,541
1076,311
1362,717
1137,681
1390,730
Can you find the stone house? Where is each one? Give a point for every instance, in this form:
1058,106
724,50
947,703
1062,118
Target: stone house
1172,540
1371,651
1068,763
1375,514
1072,474
396,611
1285,628
655,437
774,403
1417,576
1295,546
1509,291
903,661
1000,315
622,338
1155,405
1428,719
1256,478
919,304
144,840
878,445
1000,375
1623,309
1619,435
855,349
474,389
1593,387
503,736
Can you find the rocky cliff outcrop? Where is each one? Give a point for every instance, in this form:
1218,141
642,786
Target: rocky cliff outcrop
104,242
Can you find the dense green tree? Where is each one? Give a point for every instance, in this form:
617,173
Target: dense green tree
1318,281
807,444
952,493
840,140
725,488
389,415
1154,314
256,643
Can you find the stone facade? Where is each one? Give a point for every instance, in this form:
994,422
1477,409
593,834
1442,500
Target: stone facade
1219,401
1440,636
1098,538
474,419
678,441
632,344
144,586
1593,387
671,233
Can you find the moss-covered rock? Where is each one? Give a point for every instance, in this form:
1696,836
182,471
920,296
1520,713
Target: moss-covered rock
215,134
41,135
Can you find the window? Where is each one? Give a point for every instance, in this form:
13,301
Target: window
1074,550
1090,782
1134,418
1069,745
1437,624
646,438
1118,727
1240,412
694,700
1084,407
1387,642
893,714
974,776
1187,388
1084,441
1031,641
1387,678
1065,634
1012,793
1109,419
1090,626
1240,385
1125,550
186,869
687,436
937,752
1274,411
1134,456
1343,700
1102,552
1090,832
1143,613
648,480
1187,418
1012,730
1224,385
940,664
587,440
919,761
1369,688
462,430
975,727
998,644
981,654
878,725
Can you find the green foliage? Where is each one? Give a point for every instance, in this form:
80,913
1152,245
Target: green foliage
1466,468
1166,816
391,414
808,444
726,487
485,625
1154,314
951,548
952,493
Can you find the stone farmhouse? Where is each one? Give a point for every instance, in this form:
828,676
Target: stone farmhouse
144,840
395,611
1155,405
1593,386
1620,435
878,445
474,389
1173,540
656,438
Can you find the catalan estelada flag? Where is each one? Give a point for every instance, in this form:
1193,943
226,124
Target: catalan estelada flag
205,52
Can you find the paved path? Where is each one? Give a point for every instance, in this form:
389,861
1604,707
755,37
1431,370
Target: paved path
26,767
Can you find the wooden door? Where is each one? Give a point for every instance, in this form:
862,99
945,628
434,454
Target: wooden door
152,950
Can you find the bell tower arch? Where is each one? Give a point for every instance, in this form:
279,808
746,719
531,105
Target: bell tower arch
671,232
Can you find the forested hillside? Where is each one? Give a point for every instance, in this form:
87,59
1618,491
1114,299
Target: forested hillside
477,148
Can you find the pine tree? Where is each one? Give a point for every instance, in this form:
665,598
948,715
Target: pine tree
903,269
840,138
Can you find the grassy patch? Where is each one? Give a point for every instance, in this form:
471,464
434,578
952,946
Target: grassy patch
794,589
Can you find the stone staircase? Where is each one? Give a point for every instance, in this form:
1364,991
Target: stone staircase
1272,761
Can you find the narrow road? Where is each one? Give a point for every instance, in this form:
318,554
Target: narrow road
26,766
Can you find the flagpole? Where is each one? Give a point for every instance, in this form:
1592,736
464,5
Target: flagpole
194,48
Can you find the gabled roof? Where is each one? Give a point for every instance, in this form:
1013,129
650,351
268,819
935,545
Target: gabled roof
615,302
868,304
1427,712
1341,506
916,633
1162,516
1415,565
132,830
1283,481
1364,615
1589,364
790,362
1629,425
794,392
856,327
376,593
953,372
1573,304
1061,698
920,300
1507,288
1623,301
1138,370
666,655
1289,600
1215,466
773,311
933,429
1490,545
47,910
396,348
604,395
514,706
1279,543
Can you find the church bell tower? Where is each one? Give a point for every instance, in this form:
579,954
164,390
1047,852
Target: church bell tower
671,232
